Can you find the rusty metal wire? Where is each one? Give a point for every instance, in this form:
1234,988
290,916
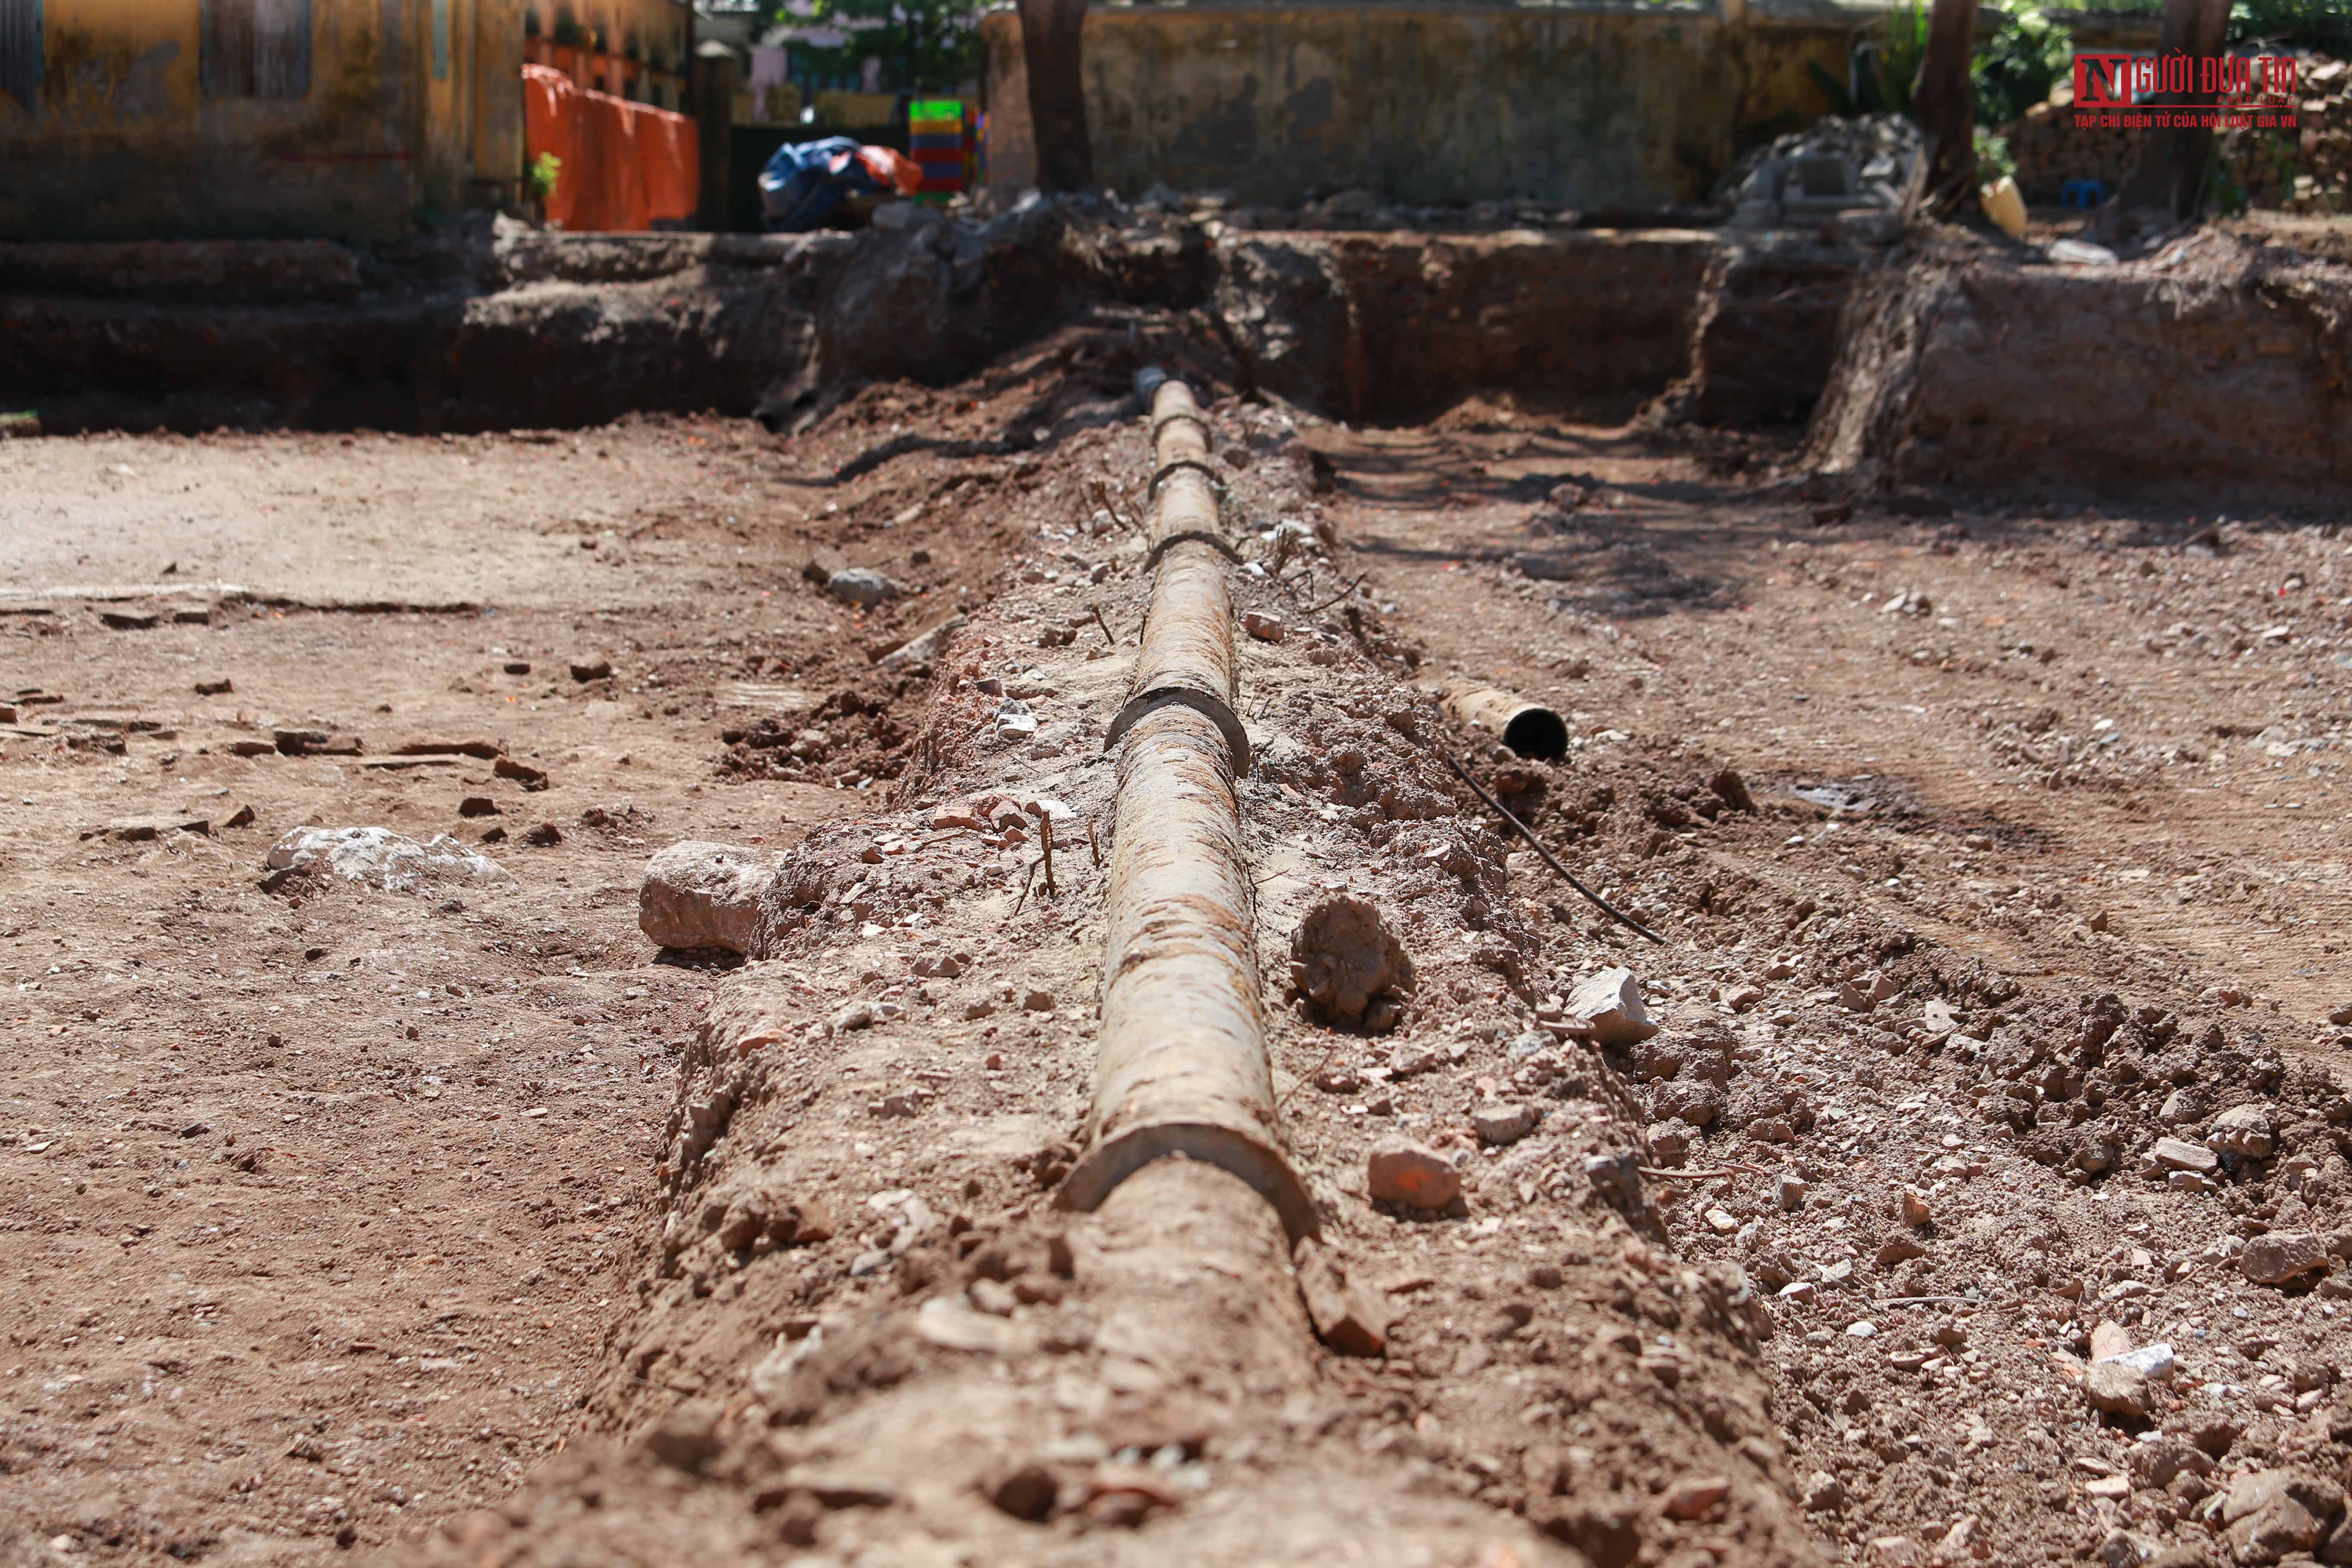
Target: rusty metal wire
1628,922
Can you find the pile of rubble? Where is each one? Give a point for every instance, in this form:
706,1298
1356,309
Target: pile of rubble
1832,168
2303,168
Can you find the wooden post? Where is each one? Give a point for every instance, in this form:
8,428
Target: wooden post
1943,101
714,116
2170,178
1050,35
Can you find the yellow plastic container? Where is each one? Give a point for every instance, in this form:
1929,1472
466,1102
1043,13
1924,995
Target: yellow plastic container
2005,207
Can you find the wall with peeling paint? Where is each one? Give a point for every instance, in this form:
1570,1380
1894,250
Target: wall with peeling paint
221,118
1591,106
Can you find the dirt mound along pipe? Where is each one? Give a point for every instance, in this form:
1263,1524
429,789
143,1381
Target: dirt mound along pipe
1530,728
1181,1061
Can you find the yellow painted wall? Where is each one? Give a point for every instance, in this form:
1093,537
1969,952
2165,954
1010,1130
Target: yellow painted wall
663,26
1430,105
498,112
124,142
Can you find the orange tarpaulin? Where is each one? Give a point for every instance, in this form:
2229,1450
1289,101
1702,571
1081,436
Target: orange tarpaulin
671,146
625,165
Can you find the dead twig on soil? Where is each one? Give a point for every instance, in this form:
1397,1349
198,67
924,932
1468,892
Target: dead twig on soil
1537,845
1309,1078
1104,498
1318,609
1026,877
1045,843
1721,1172
1092,847
1096,611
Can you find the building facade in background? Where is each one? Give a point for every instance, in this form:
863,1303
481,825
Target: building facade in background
336,119
642,50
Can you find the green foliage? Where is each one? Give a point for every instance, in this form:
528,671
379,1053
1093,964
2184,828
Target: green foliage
2016,69
1885,63
1993,159
925,46
2230,198
1904,45
2310,23
567,30
2322,24
545,170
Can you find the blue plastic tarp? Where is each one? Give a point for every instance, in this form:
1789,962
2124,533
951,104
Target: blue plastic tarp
806,180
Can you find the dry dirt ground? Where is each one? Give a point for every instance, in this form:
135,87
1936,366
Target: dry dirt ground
336,1210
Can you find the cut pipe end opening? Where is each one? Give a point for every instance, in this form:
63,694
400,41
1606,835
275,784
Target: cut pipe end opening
1538,733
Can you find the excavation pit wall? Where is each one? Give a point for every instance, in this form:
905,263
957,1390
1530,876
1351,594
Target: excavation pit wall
502,326
2209,369
1948,361
863,1320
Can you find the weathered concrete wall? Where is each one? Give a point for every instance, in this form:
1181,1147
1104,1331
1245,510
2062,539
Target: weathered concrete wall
130,128
1583,105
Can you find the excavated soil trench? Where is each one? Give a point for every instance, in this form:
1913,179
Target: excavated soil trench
1820,1270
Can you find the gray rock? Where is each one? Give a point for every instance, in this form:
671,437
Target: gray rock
2243,1131
2153,1362
861,585
2116,1388
702,895
1504,1123
395,862
1608,1007
2176,1155
2284,1256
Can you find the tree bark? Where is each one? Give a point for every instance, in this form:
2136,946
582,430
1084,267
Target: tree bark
1050,33
2171,177
1943,101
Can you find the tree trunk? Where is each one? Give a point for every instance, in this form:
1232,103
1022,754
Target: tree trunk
1057,97
2170,178
1943,101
